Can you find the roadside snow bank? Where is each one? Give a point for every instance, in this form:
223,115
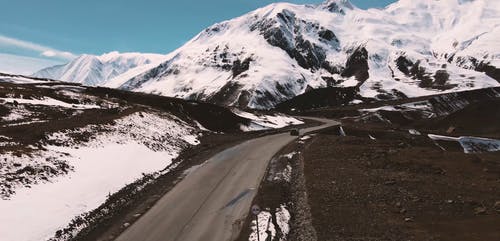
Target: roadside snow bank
265,122
471,144
267,229
283,219
113,156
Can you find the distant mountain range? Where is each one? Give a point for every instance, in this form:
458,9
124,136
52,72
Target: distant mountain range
410,48
109,68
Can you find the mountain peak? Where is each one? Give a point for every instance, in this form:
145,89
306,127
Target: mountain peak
338,6
270,55
96,70
110,55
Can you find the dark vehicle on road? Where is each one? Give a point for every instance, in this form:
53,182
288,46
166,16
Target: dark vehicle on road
295,132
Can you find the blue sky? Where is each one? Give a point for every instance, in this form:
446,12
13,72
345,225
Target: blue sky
54,31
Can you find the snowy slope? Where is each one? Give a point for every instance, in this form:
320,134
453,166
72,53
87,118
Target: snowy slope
94,70
65,148
272,54
102,166
50,168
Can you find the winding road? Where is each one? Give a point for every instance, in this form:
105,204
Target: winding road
213,200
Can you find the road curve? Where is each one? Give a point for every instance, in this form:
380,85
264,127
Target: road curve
212,201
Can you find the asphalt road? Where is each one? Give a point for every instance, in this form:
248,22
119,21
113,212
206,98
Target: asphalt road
213,200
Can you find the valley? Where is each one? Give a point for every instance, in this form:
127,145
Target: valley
292,122
56,136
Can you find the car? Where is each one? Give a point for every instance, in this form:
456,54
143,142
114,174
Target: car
294,132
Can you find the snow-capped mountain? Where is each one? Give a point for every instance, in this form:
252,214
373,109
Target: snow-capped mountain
112,68
410,48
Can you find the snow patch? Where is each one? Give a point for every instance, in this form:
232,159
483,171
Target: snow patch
414,132
471,144
114,156
265,226
341,131
355,102
47,101
283,219
16,114
384,108
282,175
267,229
265,122
290,155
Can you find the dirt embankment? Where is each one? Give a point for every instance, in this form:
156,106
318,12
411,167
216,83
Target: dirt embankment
381,182
284,186
385,184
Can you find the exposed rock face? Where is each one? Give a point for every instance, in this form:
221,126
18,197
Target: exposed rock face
315,98
404,65
270,55
240,67
286,32
337,6
357,65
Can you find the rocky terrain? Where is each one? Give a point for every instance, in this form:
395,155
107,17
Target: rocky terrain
386,184
418,169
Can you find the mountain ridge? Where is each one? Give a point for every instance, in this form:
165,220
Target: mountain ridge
282,50
97,70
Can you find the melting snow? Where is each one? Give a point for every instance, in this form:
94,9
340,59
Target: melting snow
49,102
283,219
290,155
264,122
356,101
15,114
414,132
21,80
267,230
342,132
386,108
265,225
282,175
471,144
136,144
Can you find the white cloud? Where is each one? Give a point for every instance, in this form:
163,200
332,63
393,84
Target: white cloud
49,53
42,50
